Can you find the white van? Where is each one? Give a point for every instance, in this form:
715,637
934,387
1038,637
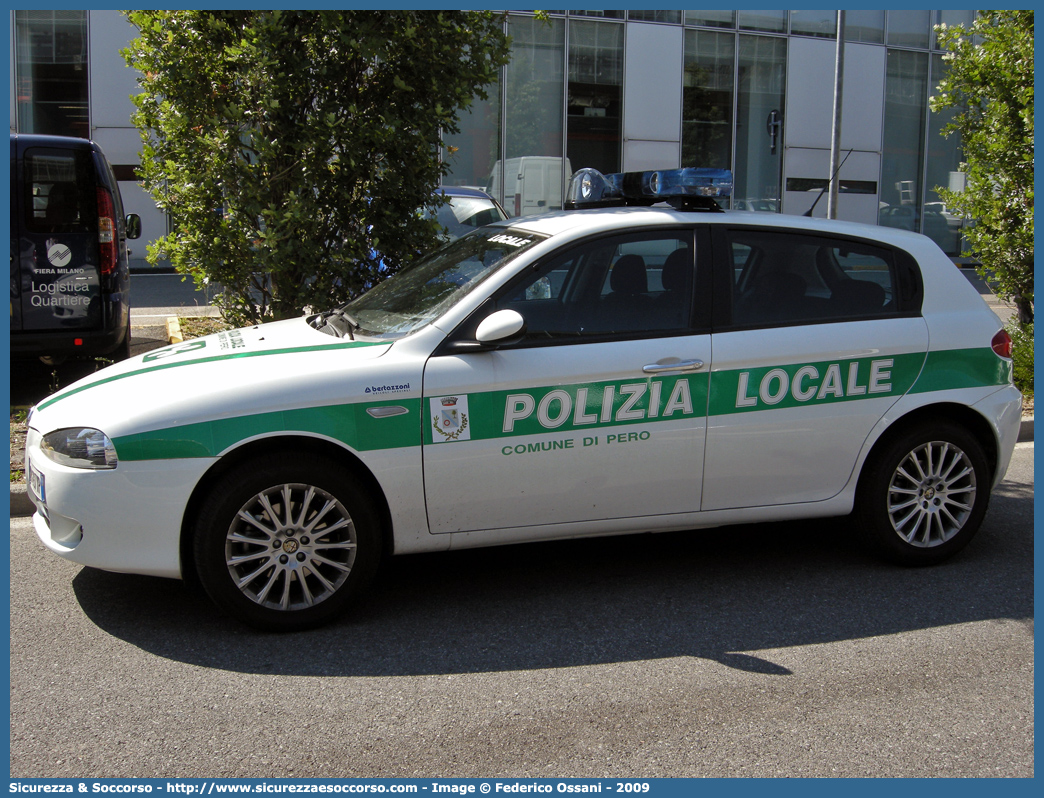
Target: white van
532,184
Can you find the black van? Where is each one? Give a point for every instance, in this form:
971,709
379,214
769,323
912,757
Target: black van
70,278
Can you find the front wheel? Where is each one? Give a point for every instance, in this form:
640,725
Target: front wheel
286,542
923,496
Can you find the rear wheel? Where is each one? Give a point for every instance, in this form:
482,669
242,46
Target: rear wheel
286,542
925,494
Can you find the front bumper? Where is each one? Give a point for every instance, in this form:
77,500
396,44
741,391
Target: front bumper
127,519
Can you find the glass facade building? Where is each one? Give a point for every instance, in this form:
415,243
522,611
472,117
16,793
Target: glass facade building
50,72
748,90
738,83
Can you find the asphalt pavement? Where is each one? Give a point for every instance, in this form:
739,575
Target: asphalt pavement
155,296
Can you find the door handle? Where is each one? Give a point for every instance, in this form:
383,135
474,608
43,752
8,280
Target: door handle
678,365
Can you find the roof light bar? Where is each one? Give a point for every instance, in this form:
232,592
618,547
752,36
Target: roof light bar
692,188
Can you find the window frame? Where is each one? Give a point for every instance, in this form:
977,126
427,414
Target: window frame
699,300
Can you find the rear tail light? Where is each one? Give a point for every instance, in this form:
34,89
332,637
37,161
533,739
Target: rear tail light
518,205
1001,344
107,243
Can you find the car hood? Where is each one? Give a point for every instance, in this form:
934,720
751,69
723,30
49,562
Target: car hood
266,368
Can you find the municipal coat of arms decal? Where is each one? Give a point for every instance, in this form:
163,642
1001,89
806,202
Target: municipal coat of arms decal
449,419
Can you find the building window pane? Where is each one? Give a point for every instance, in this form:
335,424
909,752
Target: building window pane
943,163
709,83
909,28
761,102
906,99
602,14
711,19
964,18
814,23
772,21
595,81
530,178
51,72
472,153
673,17
865,26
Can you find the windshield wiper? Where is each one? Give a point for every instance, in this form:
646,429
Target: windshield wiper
337,322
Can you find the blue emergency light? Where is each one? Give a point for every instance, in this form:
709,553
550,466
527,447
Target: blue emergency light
692,188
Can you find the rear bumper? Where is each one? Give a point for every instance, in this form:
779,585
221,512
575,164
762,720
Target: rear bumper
86,343
1003,409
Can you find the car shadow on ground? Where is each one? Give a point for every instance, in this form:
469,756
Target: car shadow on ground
716,594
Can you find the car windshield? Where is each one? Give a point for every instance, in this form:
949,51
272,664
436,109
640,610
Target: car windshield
428,287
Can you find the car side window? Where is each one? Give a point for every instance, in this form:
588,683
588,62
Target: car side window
610,286
783,277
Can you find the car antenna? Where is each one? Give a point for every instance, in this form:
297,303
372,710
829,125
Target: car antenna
821,193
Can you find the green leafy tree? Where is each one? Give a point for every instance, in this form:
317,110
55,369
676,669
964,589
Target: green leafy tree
989,86
290,147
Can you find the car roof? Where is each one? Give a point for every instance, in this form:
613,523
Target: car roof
463,191
25,140
621,218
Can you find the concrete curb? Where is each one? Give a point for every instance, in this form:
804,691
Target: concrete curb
22,505
174,335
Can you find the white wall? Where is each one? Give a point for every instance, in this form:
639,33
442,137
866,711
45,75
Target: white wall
810,99
652,100
112,83
810,94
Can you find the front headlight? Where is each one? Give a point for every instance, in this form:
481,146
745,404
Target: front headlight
79,447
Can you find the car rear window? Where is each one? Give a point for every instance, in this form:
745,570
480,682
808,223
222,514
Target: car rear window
60,188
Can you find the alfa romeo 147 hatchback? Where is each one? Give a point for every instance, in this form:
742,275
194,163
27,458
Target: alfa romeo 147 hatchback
628,367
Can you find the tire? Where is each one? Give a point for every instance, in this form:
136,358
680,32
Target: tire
286,543
924,494
123,351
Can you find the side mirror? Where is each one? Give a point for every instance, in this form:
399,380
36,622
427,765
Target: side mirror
502,327
133,225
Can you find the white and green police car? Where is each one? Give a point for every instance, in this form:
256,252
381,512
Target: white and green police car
623,368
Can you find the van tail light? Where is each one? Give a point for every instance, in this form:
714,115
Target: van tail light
107,243
1001,344
518,205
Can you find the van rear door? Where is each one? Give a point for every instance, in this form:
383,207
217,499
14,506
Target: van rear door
16,243
55,279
